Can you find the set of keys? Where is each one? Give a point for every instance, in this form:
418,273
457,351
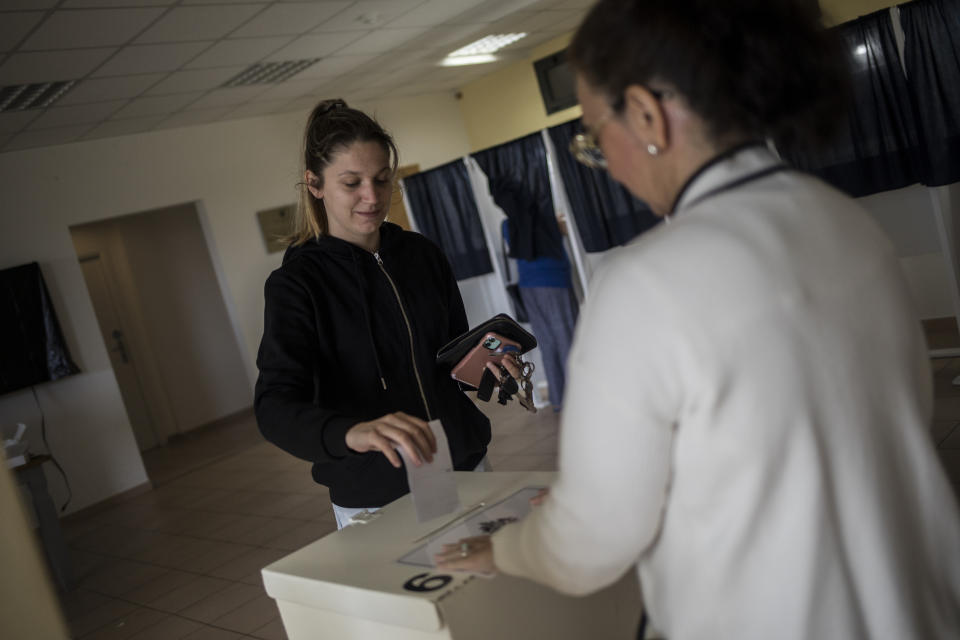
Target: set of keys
509,386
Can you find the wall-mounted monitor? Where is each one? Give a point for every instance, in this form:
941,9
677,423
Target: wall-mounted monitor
557,86
32,348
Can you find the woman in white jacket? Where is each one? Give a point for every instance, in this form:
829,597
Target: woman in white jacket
749,398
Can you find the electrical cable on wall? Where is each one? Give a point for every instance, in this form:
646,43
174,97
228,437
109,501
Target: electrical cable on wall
43,436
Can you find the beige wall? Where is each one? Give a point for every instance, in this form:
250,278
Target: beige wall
837,11
230,170
506,104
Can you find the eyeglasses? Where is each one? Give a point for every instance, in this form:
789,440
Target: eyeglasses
585,146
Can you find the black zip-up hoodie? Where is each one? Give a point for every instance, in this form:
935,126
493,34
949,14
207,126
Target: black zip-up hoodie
339,324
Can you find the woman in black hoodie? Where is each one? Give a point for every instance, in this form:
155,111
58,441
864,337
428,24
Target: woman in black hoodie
353,320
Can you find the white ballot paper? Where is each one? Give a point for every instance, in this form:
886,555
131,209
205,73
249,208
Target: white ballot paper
432,484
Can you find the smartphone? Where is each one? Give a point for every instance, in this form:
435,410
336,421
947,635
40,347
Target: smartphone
491,348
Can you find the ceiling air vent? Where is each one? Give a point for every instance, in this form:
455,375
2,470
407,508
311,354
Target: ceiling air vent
269,72
19,97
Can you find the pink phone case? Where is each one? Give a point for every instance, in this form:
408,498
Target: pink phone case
491,349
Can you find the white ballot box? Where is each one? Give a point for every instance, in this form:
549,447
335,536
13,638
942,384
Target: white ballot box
373,580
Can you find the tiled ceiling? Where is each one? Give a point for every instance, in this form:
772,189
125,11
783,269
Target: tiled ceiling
143,65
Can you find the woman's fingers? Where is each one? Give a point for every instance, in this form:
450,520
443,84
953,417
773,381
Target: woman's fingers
411,436
424,428
469,554
386,447
541,496
387,433
509,362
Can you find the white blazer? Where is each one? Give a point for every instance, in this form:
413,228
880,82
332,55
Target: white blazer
747,419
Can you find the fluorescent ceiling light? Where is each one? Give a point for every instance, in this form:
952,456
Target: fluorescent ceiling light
489,44
41,95
481,51
269,72
457,61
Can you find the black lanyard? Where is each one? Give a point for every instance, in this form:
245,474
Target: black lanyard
733,184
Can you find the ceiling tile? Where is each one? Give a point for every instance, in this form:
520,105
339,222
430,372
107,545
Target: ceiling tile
194,80
45,137
315,46
15,26
122,127
381,40
199,116
331,67
289,90
446,38
289,19
90,28
368,14
252,109
13,5
155,105
243,51
570,23
228,97
76,114
84,4
304,104
583,5
545,20
199,23
151,58
434,12
13,121
51,66
99,89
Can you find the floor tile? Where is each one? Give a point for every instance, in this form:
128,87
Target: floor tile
251,616
248,564
951,440
212,633
300,536
80,602
190,593
169,581
100,616
271,631
941,429
128,625
168,628
121,577
215,605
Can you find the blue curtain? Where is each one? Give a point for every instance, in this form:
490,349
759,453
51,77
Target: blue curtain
443,206
932,59
878,146
606,213
520,185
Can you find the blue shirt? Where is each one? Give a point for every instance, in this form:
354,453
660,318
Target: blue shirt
540,272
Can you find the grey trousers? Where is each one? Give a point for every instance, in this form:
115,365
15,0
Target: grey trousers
553,315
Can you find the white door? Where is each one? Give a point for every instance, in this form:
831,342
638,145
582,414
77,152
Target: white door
124,366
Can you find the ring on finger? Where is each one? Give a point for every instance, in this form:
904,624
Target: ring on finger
464,549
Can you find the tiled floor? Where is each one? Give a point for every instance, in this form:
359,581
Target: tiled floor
184,560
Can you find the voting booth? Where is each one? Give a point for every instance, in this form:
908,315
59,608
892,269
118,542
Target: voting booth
375,580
